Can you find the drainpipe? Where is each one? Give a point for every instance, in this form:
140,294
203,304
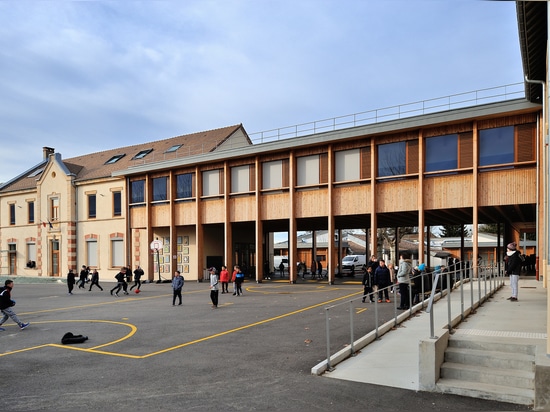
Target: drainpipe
544,174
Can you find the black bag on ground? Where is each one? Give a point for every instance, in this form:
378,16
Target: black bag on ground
69,338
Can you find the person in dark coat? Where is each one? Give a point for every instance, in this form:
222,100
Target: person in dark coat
138,273
513,268
382,279
368,283
70,281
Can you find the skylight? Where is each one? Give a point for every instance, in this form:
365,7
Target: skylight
142,154
173,148
36,172
114,159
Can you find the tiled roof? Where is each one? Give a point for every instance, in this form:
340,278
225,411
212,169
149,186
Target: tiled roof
93,165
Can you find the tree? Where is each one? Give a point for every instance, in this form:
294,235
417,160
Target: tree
454,231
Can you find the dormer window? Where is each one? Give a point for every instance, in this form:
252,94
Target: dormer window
142,154
36,172
114,159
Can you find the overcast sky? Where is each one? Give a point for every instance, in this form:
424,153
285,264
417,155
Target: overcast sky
88,76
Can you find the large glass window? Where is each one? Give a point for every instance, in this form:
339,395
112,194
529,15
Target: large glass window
91,252
117,203
117,253
137,194
240,179
442,153
496,146
272,176
307,170
30,209
392,159
211,183
160,189
31,254
347,165
184,186
91,206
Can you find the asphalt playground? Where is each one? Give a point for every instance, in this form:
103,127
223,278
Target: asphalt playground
253,353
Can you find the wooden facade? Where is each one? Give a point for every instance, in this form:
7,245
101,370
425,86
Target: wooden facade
233,227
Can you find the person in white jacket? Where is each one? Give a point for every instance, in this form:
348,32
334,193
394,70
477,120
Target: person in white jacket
214,288
403,279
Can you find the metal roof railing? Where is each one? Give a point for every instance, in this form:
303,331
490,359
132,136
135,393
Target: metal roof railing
455,101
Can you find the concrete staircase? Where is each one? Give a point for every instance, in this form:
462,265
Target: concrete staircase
486,368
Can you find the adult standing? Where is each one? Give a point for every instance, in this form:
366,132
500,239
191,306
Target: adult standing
70,281
403,279
319,269
513,268
224,279
138,273
95,280
214,288
6,304
177,285
382,279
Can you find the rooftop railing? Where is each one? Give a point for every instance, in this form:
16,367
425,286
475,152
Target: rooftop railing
455,101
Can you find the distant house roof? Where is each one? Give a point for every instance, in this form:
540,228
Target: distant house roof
102,164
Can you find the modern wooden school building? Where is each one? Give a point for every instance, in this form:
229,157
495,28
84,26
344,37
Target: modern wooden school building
469,166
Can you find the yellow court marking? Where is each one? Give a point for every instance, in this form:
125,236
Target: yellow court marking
172,348
262,290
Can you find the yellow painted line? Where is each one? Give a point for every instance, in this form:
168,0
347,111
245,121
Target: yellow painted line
172,348
360,310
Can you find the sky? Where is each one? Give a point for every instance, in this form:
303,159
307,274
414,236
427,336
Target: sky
88,76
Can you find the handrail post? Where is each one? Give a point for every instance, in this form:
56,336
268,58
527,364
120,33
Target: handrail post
327,322
352,338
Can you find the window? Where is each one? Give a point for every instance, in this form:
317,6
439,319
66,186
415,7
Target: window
184,186
240,179
91,252
54,208
12,214
442,153
31,254
30,209
211,183
36,172
160,190
173,148
91,206
392,159
117,253
114,159
142,154
496,146
138,191
272,176
347,165
117,204
307,170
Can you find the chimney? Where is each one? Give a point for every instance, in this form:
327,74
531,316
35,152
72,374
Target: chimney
47,151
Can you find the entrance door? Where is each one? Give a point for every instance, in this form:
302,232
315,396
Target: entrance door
55,257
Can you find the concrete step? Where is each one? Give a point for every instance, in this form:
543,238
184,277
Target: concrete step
490,344
487,391
491,359
476,373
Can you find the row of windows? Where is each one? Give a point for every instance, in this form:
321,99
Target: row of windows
497,147
117,258
116,205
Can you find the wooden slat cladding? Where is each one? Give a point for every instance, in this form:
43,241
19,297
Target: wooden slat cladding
466,150
365,163
525,142
323,165
412,157
222,185
397,137
252,178
448,129
286,166
507,121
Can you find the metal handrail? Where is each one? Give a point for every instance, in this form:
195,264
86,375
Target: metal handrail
455,101
491,277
